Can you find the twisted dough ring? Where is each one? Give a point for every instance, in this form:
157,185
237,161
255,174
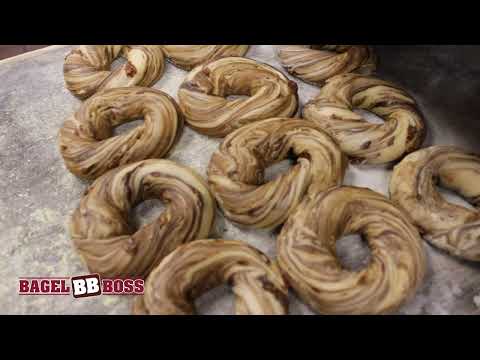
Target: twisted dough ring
318,63
189,56
107,242
403,131
450,227
87,69
236,170
85,138
306,253
203,95
200,266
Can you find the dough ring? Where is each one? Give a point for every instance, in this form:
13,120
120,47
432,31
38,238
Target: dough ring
333,109
197,267
307,253
236,170
317,63
450,227
187,57
85,138
105,239
203,97
87,69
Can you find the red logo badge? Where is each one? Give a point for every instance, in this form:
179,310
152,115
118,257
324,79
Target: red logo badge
80,286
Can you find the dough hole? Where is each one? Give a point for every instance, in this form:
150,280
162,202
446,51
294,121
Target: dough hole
453,198
117,63
217,301
277,169
237,97
369,116
127,127
146,212
353,252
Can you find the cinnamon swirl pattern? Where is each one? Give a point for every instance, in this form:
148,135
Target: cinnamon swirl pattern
236,170
200,266
306,253
317,63
86,142
108,243
187,57
447,226
402,132
87,69
203,97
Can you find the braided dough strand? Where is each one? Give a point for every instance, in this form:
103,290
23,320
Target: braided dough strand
307,253
106,240
189,56
86,141
447,226
87,69
317,63
333,110
203,97
236,170
202,265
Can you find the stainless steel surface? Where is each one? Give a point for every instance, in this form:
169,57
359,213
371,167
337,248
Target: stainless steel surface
39,194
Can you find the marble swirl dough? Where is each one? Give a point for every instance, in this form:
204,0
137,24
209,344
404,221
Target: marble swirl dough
402,132
100,226
197,267
307,253
203,97
86,141
317,63
187,57
87,69
236,170
450,227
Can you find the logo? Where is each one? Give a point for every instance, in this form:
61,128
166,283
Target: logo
86,286
79,286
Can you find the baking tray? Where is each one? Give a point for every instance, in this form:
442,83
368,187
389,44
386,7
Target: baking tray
39,194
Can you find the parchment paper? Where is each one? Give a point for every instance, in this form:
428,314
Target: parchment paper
38,194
